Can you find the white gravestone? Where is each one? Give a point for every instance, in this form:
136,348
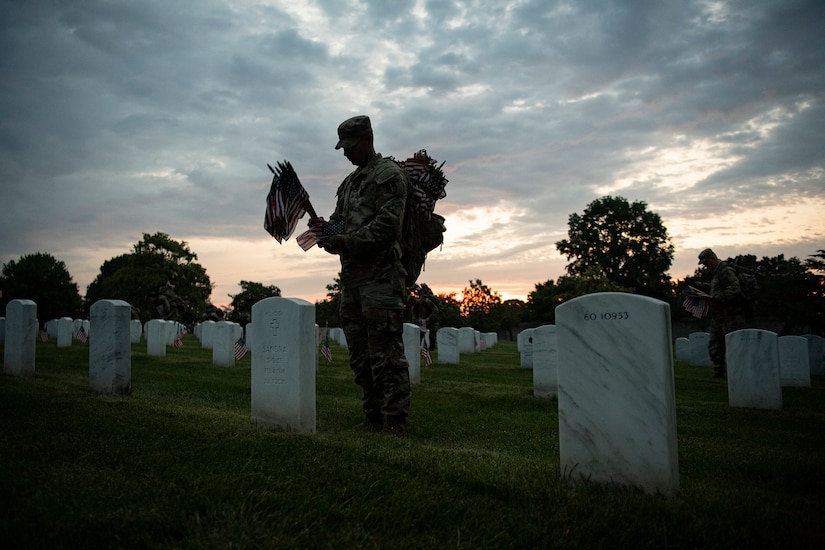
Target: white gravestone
447,340
815,354
284,364
110,349
752,359
135,331
545,362
617,413
223,344
64,332
207,334
20,338
793,361
51,328
699,354
249,337
412,351
526,355
156,338
465,340
682,349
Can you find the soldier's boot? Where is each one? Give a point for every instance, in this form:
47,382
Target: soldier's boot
395,426
719,371
373,421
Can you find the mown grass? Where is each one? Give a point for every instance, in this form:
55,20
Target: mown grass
178,464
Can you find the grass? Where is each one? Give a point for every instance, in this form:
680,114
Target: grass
178,464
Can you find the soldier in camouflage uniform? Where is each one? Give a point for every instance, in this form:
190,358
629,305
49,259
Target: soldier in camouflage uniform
727,307
365,231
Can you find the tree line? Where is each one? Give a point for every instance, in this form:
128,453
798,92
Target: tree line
613,246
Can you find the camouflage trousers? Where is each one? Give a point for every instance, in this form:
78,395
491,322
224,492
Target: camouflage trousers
374,334
719,327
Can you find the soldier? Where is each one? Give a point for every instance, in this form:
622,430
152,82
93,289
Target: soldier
727,307
425,312
365,232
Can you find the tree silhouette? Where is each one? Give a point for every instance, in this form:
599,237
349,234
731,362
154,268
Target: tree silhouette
46,281
623,241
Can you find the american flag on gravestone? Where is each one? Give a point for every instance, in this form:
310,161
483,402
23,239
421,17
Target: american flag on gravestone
286,202
179,337
82,335
240,349
325,351
425,353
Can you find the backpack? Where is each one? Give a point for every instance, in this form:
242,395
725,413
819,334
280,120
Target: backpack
748,283
423,229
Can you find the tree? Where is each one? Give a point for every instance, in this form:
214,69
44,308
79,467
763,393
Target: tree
510,314
159,278
449,311
250,294
478,306
623,241
543,301
326,312
46,281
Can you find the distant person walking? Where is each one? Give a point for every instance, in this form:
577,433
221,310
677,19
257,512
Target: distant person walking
365,232
727,307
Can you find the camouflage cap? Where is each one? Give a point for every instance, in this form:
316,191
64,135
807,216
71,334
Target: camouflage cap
352,130
705,254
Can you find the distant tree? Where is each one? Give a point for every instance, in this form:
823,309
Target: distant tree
140,278
46,281
510,313
479,306
542,302
326,311
623,241
450,311
251,293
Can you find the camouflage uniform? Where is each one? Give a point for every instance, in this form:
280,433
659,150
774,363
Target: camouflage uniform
726,313
369,212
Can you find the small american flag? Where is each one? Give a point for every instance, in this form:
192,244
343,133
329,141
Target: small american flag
240,349
425,353
179,337
81,334
325,351
286,202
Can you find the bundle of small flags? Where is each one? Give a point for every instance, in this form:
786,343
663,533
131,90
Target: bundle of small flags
82,335
425,353
240,349
696,302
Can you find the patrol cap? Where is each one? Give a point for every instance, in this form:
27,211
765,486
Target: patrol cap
352,130
705,254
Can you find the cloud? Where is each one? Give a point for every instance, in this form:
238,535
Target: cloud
123,118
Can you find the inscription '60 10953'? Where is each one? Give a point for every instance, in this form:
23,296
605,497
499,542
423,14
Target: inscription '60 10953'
607,316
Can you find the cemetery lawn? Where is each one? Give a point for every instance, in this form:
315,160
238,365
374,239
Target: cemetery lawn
178,464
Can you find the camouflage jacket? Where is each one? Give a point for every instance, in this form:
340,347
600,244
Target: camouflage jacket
370,212
725,291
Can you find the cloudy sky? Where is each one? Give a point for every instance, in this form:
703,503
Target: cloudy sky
121,117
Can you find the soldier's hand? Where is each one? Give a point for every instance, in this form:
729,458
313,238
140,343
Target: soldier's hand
334,244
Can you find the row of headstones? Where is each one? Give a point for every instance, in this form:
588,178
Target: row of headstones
452,342
614,381
800,356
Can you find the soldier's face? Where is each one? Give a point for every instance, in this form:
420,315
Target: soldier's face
360,153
